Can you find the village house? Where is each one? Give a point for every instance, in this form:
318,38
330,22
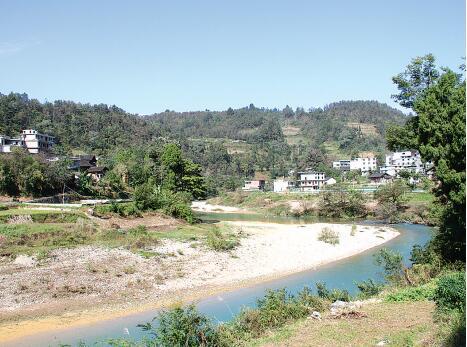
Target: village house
311,181
29,139
96,173
364,164
254,185
405,160
380,178
342,165
282,185
83,162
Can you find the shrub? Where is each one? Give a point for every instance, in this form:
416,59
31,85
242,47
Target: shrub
329,236
450,293
332,295
312,302
369,288
420,293
391,261
219,242
139,237
180,210
180,327
275,309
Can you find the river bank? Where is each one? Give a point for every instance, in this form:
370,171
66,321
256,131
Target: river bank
116,282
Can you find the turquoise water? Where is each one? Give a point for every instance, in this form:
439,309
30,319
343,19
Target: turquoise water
340,274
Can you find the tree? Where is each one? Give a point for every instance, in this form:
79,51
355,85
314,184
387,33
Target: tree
438,132
314,157
418,76
391,200
288,112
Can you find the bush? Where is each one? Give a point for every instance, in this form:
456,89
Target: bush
219,242
275,309
450,293
313,302
180,327
329,236
369,288
420,293
126,209
332,295
391,261
180,210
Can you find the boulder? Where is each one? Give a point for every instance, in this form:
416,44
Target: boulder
25,261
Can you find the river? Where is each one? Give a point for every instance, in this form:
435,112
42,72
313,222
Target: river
341,274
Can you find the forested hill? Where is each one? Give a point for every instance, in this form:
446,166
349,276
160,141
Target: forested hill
75,125
250,123
342,127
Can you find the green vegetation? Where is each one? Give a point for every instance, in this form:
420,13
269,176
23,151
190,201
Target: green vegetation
342,204
221,241
422,292
329,236
369,288
353,230
438,131
45,230
28,175
392,199
229,145
450,293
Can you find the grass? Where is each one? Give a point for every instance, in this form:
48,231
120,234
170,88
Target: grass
419,293
42,216
417,198
221,241
259,200
401,324
50,230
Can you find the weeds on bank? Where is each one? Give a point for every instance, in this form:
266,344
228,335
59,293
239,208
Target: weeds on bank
329,236
219,241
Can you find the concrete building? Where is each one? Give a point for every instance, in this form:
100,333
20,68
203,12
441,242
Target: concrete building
343,165
254,185
36,142
282,185
364,164
311,181
29,139
406,160
380,178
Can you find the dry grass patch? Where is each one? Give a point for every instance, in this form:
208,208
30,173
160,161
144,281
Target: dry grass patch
400,324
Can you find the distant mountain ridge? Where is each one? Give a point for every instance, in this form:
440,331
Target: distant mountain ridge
102,127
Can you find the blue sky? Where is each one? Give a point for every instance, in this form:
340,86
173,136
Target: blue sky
148,56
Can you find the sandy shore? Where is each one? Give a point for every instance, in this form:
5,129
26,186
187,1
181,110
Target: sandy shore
203,206
115,282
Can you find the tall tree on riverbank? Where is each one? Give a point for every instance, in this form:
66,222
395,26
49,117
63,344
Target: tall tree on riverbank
438,131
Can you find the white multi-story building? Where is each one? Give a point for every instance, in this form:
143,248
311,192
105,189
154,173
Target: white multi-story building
364,164
406,160
311,181
343,165
30,139
281,185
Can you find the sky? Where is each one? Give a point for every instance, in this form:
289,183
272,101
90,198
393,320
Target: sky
149,56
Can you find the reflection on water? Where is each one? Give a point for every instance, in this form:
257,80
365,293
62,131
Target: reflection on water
341,274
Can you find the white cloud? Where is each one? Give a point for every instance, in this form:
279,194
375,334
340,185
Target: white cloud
8,48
